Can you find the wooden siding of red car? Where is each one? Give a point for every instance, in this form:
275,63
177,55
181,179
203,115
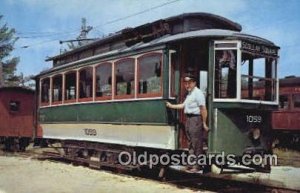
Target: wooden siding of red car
18,123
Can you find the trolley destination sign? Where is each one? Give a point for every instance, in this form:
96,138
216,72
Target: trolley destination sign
259,49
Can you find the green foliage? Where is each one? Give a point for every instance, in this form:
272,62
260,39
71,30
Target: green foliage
7,64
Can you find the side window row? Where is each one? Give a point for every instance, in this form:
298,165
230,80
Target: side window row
118,80
289,101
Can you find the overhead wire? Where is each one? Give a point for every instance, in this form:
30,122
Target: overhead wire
137,13
42,34
49,34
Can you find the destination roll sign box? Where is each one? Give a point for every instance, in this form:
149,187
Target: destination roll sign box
260,49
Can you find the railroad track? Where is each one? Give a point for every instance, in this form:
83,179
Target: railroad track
178,178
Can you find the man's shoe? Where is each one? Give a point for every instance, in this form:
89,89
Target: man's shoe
215,169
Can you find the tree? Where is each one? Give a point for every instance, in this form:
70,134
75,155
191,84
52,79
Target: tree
7,64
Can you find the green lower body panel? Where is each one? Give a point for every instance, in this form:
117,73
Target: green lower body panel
145,123
233,130
127,112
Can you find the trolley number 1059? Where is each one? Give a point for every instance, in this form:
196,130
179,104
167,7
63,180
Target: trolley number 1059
254,118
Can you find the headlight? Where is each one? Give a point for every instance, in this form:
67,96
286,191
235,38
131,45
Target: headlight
256,133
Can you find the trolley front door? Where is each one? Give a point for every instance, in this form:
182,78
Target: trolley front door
194,60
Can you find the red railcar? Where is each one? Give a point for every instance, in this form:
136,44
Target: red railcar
286,121
17,117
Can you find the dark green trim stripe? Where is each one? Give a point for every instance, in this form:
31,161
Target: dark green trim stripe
127,112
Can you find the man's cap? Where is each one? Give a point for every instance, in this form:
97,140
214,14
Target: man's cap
189,77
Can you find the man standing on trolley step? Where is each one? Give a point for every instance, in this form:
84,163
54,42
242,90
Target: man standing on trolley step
196,115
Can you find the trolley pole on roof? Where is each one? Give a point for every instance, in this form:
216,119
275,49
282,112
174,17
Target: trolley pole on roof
82,38
84,31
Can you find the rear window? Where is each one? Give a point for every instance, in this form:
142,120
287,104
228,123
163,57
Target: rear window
283,102
296,101
14,106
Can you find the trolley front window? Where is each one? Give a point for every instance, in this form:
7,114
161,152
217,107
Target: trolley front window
258,80
245,72
225,73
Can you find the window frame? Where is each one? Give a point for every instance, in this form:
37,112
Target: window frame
104,98
78,86
16,108
115,96
288,97
173,83
271,81
52,90
41,92
134,96
237,90
148,95
293,96
239,76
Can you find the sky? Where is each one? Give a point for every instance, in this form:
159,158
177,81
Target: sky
40,25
